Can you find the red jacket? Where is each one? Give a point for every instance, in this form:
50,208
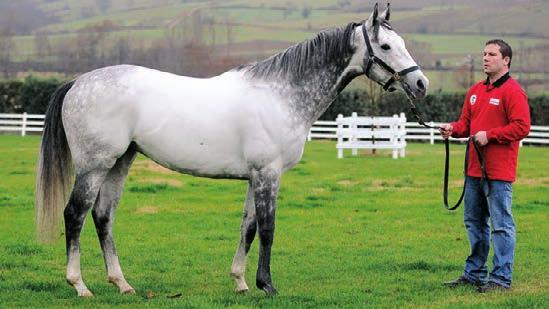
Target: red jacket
501,109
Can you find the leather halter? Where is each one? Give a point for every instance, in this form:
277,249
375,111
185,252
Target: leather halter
370,59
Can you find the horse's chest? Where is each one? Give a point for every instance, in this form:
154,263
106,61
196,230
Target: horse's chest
293,150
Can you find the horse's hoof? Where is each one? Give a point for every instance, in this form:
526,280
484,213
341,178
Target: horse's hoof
269,290
85,293
128,291
241,291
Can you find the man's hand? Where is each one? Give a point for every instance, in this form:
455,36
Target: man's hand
481,138
446,130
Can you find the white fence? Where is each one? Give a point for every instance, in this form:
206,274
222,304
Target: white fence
539,135
23,123
371,133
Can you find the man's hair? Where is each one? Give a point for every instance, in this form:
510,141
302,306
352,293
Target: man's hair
504,48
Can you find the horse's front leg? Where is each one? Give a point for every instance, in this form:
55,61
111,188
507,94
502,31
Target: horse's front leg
265,184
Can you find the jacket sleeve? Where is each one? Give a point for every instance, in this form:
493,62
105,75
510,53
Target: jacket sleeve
461,127
518,116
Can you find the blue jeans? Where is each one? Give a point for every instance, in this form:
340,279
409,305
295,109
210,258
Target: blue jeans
478,209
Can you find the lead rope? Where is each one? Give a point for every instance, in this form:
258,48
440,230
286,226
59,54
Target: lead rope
471,140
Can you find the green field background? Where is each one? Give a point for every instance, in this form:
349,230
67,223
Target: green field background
362,232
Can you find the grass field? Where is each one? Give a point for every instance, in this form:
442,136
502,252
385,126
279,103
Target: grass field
365,231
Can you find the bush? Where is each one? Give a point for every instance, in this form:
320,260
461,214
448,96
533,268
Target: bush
346,103
539,109
438,106
32,96
10,99
35,94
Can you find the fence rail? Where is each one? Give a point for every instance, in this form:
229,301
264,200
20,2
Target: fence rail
21,123
539,135
371,133
24,123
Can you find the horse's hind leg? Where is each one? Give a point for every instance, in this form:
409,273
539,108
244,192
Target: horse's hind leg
265,184
83,196
103,215
247,233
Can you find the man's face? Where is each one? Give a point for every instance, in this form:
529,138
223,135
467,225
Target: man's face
493,60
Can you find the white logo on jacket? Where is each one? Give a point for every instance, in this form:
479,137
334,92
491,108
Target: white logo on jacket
473,99
494,101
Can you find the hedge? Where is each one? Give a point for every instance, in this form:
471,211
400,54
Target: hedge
438,106
32,96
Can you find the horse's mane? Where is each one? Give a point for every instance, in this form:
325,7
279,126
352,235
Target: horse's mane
326,48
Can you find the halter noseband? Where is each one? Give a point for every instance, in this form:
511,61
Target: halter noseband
371,59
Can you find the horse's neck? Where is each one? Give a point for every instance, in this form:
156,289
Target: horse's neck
309,75
311,97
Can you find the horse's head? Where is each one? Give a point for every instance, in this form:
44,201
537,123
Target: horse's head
384,57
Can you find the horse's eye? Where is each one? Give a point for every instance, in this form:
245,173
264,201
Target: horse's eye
385,47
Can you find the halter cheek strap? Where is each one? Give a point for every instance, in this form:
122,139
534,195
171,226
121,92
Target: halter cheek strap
370,59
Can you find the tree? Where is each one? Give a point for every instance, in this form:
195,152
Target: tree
89,43
122,51
42,44
66,54
375,94
229,27
103,5
306,12
210,22
7,48
22,16
344,3
464,74
290,8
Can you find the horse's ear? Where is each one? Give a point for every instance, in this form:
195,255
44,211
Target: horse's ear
373,18
387,13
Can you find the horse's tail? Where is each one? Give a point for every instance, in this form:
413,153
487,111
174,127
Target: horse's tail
54,169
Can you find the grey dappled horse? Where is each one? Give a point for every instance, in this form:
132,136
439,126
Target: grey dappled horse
249,123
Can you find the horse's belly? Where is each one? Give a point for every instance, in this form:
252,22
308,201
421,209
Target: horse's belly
195,150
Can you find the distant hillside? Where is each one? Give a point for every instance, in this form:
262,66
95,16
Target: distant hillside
424,16
77,35
23,17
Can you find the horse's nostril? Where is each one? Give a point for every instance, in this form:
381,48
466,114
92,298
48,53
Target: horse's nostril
420,84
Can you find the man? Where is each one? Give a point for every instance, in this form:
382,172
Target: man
496,114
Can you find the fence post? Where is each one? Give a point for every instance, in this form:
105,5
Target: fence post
394,136
24,125
432,133
339,133
402,130
354,126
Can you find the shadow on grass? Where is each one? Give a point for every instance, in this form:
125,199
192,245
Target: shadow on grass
151,188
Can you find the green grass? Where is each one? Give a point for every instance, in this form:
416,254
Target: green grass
365,231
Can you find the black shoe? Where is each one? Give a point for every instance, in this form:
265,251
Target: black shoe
461,281
491,286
